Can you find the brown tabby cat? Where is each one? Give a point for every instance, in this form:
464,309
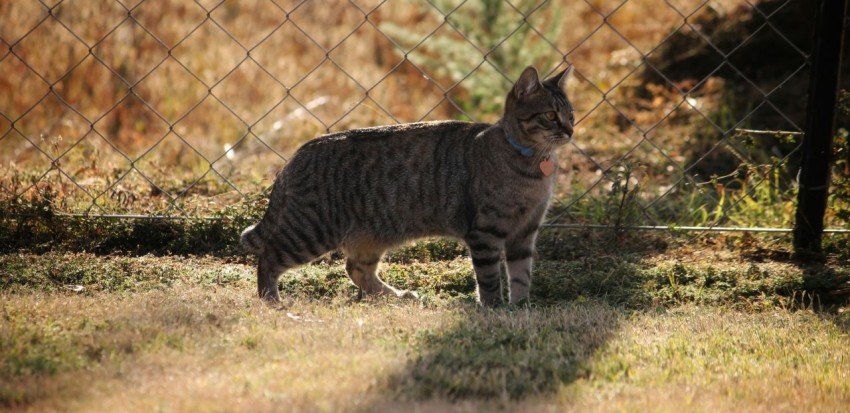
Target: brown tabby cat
366,190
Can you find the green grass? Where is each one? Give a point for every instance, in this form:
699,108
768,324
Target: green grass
692,328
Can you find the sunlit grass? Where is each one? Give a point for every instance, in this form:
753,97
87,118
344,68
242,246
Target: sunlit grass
652,333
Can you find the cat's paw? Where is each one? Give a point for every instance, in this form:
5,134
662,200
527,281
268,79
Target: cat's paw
524,302
491,302
523,305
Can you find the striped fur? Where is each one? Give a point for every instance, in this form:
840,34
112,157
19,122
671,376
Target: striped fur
367,190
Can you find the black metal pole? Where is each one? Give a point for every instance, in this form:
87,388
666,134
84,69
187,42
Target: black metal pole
820,125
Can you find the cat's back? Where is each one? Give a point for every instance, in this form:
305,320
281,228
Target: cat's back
382,152
407,137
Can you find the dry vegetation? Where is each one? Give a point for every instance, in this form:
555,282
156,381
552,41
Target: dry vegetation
169,110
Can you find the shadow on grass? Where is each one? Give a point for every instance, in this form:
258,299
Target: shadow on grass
824,284
581,298
514,353
134,237
826,290
505,354
33,226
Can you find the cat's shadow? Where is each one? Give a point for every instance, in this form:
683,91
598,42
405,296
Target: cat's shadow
506,354
514,353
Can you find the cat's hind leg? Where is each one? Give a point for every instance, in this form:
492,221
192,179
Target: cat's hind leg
362,267
283,250
267,274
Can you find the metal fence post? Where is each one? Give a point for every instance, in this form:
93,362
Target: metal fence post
820,124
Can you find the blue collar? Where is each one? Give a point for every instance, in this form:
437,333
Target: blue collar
527,152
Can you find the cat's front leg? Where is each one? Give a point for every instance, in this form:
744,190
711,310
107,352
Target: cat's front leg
519,251
485,248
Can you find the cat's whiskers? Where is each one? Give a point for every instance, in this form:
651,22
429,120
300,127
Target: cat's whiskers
541,155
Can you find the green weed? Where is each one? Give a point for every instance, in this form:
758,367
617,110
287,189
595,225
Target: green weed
486,28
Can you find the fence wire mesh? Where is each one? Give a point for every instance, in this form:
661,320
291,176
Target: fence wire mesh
688,112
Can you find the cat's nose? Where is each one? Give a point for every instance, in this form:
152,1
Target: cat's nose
568,130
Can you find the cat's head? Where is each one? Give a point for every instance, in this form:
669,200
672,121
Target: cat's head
538,114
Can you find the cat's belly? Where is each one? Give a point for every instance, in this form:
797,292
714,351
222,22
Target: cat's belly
389,232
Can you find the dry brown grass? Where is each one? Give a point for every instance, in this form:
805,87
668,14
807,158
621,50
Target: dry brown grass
189,335
197,349
204,350
171,90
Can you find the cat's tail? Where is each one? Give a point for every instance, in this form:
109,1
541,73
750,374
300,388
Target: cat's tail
251,239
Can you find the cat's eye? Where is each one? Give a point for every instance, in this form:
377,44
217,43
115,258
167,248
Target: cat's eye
550,115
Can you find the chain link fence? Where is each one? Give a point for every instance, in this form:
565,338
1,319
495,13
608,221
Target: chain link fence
689,112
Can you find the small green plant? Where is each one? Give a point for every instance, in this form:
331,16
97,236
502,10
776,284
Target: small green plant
755,197
621,204
485,30
616,202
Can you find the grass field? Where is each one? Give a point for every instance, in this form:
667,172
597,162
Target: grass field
725,326
189,108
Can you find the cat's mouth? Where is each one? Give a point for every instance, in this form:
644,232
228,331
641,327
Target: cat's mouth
559,139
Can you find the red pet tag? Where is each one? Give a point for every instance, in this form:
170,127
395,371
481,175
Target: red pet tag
547,167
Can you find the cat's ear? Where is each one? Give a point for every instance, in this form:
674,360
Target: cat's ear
528,82
561,78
